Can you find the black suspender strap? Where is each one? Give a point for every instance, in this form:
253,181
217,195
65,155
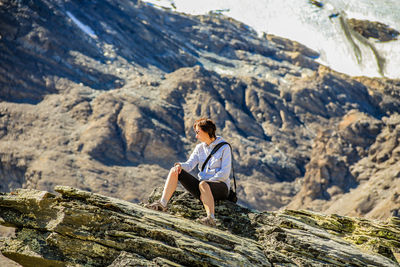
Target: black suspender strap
215,149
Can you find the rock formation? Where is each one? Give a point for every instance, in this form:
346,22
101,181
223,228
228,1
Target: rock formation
374,29
102,96
76,228
360,154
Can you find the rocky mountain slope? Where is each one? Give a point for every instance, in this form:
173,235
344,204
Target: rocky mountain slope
358,37
102,96
80,228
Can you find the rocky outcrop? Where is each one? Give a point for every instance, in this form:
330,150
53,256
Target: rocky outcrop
361,154
374,29
78,228
107,105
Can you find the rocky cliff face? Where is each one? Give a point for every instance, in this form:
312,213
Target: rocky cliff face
76,228
102,96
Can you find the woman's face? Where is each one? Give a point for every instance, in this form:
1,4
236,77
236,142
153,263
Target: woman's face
201,135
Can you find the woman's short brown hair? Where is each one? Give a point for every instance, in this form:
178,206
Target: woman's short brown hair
207,125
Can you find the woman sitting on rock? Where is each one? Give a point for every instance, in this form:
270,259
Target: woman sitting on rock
213,181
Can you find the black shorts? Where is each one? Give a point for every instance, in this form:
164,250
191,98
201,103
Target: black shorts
190,183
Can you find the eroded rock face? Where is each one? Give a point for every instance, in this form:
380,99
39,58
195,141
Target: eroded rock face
112,110
374,29
82,228
360,154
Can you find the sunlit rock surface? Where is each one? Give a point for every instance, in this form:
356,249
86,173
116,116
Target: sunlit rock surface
77,228
102,96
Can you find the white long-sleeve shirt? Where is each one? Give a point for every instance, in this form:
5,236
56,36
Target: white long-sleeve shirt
217,169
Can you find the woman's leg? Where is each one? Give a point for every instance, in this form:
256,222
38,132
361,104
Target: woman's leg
170,186
210,192
186,179
190,183
207,198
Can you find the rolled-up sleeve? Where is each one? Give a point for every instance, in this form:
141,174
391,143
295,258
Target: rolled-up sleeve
226,164
192,161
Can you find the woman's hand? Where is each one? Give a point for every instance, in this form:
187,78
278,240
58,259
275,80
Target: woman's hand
178,168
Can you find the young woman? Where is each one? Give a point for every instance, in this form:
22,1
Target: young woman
212,183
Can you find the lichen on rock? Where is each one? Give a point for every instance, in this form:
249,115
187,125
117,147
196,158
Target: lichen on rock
80,228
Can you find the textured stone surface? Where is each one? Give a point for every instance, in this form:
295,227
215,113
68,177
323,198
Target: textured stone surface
111,113
374,29
82,228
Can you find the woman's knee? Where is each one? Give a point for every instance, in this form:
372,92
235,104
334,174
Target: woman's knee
203,185
173,172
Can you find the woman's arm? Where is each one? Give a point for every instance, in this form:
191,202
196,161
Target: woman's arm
192,161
